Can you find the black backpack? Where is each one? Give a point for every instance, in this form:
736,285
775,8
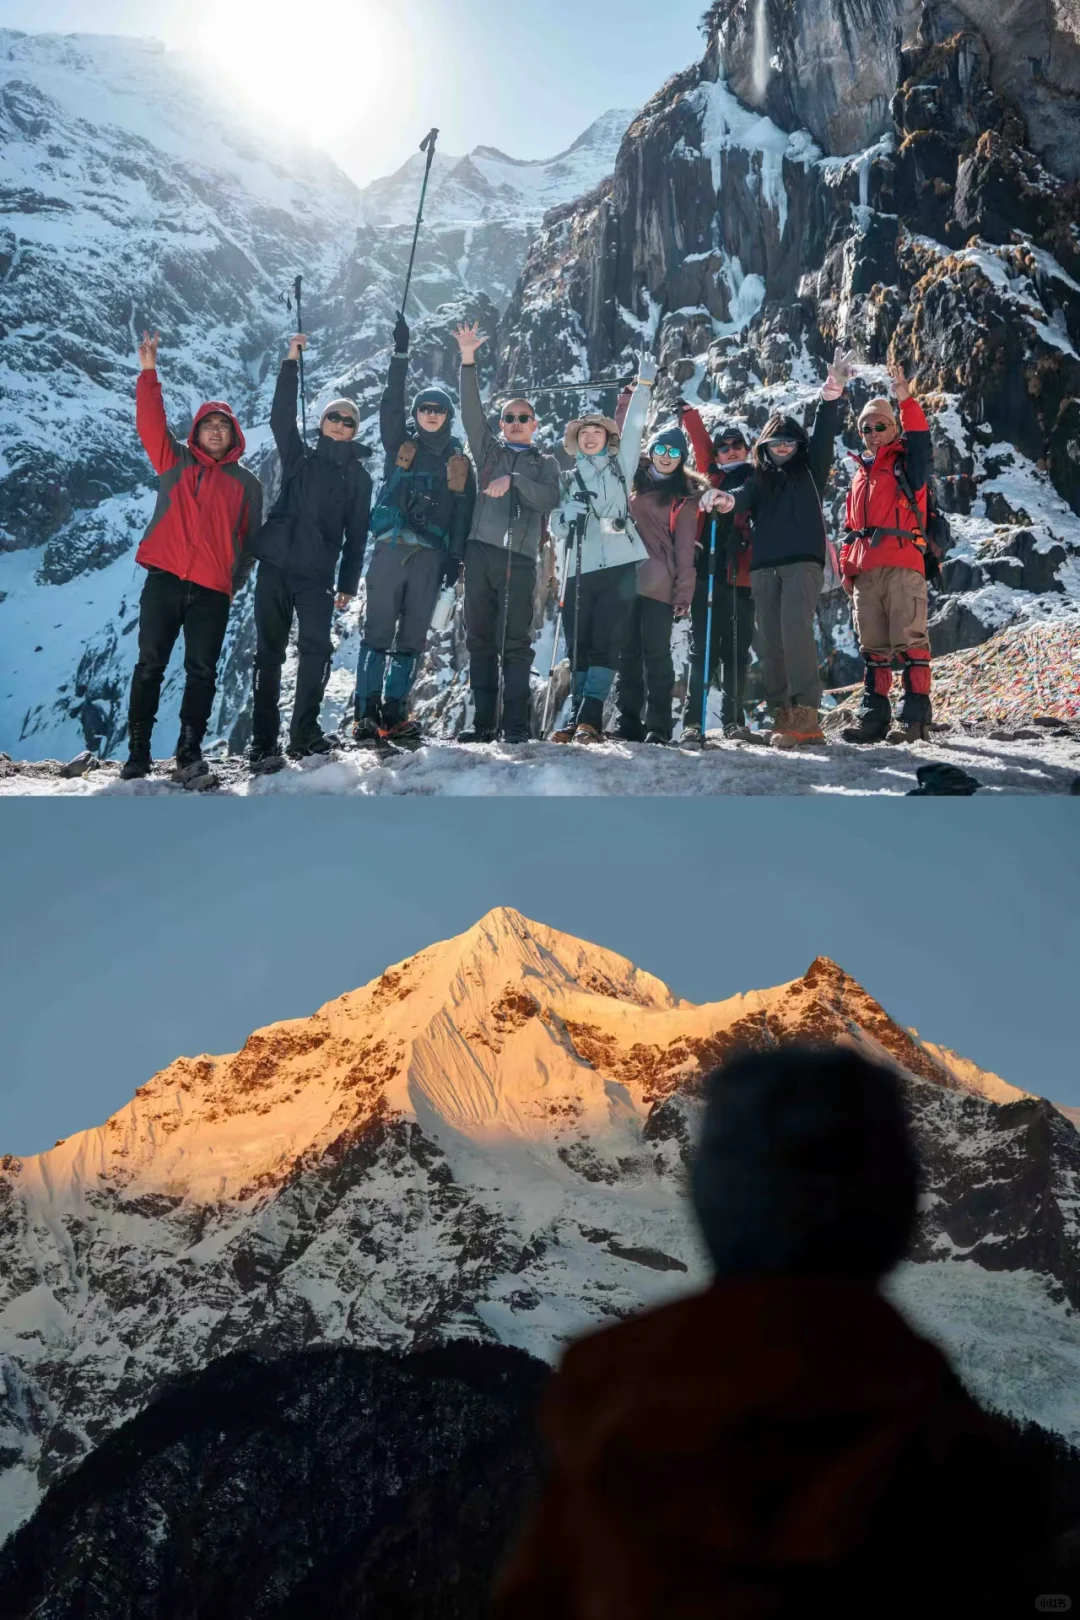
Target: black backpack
937,536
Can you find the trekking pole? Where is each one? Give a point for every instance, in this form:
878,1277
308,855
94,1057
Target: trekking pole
708,630
737,708
426,145
555,646
581,523
506,620
287,297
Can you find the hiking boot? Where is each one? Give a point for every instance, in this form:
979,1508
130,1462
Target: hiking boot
406,734
476,734
188,761
629,730
913,720
584,733
261,749
872,720
692,737
797,726
733,732
139,762
315,743
657,737
565,734
911,731
365,732
516,733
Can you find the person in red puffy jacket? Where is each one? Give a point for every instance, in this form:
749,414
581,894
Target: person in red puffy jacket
882,565
193,552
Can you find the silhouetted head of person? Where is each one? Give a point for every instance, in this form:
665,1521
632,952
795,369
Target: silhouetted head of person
805,1165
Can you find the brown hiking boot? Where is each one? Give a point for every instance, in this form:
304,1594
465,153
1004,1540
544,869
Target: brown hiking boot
588,734
564,735
909,732
797,726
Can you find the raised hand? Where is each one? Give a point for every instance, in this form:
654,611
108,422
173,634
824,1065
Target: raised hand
900,380
469,338
401,335
840,373
299,342
647,369
148,351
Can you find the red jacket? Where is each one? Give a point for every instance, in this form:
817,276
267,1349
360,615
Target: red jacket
706,463
773,1447
883,532
206,509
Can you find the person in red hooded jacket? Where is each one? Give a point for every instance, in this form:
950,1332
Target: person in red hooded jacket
193,552
882,565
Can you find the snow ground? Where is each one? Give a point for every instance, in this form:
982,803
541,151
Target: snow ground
1049,765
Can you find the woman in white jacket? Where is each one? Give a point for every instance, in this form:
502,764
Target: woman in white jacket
596,509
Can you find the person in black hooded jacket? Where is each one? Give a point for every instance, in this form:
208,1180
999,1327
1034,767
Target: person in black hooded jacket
787,567
420,523
318,526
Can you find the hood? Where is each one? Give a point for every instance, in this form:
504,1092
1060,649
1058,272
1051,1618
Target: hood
239,446
781,424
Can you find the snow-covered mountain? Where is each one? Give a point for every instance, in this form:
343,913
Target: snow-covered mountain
488,1141
132,196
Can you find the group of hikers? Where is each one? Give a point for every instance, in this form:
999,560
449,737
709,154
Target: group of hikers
706,527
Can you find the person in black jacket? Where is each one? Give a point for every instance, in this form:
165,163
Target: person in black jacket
787,569
420,523
319,525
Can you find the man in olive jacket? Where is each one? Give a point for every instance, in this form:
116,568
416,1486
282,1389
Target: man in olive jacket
518,485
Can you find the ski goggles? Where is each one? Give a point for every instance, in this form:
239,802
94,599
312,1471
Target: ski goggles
667,450
875,427
517,416
783,441
342,421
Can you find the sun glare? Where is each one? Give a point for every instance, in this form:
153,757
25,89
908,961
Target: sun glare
311,67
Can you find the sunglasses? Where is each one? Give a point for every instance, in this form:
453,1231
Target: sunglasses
667,450
783,441
343,421
875,427
509,416
431,410
731,444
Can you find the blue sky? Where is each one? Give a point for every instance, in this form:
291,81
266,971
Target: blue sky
527,78
134,932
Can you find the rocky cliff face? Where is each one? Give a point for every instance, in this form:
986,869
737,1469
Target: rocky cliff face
487,1142
874,174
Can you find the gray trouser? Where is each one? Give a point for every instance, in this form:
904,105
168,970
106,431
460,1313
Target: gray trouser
402,589
786,599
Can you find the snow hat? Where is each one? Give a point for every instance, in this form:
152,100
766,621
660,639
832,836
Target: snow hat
434,396
341,406
805,1165
614,437
674,436
734,431
878,407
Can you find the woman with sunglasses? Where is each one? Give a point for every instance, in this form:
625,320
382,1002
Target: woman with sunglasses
419,528
664,510
595,522
882,563
319,525
787,569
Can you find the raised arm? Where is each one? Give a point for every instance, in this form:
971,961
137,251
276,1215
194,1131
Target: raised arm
823,442
700,443
290,446
393,422
918,447
150,422
481,439
633,429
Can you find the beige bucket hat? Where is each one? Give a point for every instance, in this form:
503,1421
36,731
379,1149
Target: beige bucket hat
570,443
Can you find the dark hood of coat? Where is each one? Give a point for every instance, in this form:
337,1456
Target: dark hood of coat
782,425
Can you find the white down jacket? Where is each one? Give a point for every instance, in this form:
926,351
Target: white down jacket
610,537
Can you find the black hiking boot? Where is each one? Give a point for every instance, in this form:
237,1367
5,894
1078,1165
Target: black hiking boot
315,743
692,737
872,720
189,763
476,734
913,721
405,734
262,751
139,762
657,737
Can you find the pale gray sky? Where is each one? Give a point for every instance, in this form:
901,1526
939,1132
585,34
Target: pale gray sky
526,78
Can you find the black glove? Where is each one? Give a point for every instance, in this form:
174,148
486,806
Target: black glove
451,570
401,335
681,407
931,567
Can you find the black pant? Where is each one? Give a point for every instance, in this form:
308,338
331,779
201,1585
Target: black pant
646,670
722,648
486,601
169,605
607,597
278,596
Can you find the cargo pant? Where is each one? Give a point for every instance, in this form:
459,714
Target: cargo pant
403,582
785,600
890,608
